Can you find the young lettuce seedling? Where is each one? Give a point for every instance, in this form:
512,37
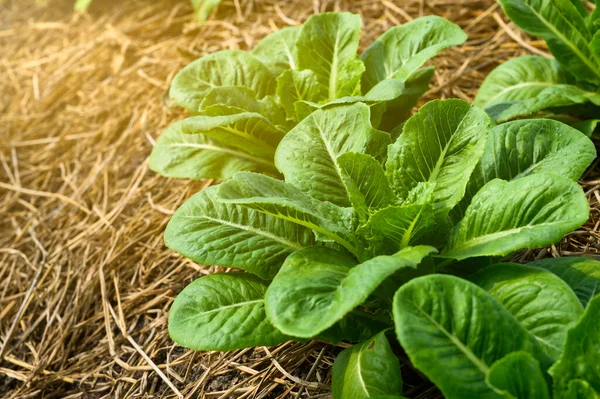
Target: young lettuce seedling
245,102
564,88
358,217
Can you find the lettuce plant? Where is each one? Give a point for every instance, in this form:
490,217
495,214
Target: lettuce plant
512,331
564,88
359,216
244,103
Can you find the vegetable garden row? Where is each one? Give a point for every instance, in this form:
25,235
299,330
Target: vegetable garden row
355,221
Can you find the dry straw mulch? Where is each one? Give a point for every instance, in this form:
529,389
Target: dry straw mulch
85,280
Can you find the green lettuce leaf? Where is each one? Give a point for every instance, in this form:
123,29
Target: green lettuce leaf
287,202
327,45
197,157
316,287
454,331
367,370
441,144
530,212
212,233
581,274
563,28
519,375
401,50
318,141
520,79
579,359
543,303
223,68
247,131
278,50
365,181
223,312
520,148
580,389
294,86
395,227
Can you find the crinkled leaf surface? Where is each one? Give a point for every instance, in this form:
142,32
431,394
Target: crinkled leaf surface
520,79
278,50
519,148
223,68
377,98
395,227
316,287
222,312
454,331
401,50
366,370
581,274
365,181
294,86
519,375
580,355
307,156
196,156
212,233
562,27
552,97
539,300
247,131
240,99
287,202
530,212
327,45
441,144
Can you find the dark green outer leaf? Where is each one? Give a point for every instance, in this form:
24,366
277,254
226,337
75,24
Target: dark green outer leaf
196,157
369,369
520,79
213,233
520,148
453,331
562,27
318,286
519,375
551,98
581,352
222,312
581,274
223,68
539,300
530,212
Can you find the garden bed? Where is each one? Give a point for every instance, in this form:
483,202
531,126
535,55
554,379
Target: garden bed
83,267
